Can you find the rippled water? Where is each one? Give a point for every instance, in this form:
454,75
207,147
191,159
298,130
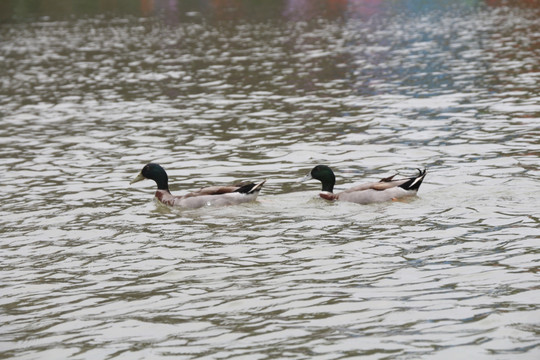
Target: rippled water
92,268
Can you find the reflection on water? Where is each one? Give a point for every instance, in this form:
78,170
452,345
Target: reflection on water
220,91
174,11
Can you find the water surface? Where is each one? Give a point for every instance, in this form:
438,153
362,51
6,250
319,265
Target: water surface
219,92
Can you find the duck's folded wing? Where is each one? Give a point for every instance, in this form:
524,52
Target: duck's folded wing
384,184
409,184
388,184
213,190
245,188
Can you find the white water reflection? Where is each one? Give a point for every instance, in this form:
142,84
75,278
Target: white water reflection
93,268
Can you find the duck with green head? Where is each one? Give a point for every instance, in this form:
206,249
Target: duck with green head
213,195
384,190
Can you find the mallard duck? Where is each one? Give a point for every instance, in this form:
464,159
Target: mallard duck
213,195
384,190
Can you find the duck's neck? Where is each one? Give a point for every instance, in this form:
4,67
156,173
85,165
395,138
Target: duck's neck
327,179
328,185
163,184
161,179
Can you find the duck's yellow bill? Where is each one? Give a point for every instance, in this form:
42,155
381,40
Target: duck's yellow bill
137,179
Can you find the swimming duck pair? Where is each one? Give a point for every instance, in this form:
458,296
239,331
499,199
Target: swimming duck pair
384,190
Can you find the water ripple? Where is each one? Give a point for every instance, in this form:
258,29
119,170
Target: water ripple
93,268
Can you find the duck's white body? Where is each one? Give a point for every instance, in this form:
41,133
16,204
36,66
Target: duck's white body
201,198
372,192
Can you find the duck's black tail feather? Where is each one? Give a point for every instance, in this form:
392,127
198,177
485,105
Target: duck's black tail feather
250,188
414,182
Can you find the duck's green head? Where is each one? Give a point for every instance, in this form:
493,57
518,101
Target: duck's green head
325,175
154,172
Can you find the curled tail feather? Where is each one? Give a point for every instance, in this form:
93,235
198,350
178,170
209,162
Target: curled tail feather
414,182
250,188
